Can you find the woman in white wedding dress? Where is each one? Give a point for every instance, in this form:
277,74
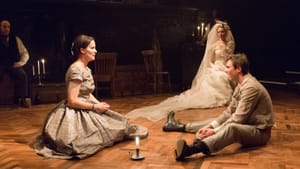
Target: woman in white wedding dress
210,87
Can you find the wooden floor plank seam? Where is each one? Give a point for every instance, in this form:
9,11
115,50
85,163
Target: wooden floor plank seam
20,126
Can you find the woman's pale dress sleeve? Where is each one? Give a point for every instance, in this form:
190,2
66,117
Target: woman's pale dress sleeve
75,74
22,51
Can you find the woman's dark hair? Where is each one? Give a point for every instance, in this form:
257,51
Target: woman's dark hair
80,41
240,60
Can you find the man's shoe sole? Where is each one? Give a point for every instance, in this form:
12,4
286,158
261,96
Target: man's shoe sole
179,150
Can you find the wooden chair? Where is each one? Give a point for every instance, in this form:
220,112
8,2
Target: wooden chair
153,67
104,72
6,90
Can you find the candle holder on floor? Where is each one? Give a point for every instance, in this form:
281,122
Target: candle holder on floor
137,155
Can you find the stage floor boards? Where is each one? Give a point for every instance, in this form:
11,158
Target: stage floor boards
19,127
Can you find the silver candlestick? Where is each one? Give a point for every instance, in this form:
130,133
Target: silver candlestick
137,155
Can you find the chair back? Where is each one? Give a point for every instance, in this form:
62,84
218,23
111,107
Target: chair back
152,61
105,66
153,66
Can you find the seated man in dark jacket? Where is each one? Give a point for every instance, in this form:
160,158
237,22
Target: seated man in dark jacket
13,56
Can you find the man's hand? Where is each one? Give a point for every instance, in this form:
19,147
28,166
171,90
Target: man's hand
205,132
17,64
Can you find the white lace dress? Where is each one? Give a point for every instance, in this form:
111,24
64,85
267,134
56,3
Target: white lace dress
210,88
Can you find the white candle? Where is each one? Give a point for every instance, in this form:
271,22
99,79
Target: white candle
33,70
43,66
198,28
202,29
137,142
38,67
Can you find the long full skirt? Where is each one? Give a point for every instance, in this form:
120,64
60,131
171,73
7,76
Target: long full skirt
74,133
214,89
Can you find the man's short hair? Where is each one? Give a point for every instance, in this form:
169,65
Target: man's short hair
240,60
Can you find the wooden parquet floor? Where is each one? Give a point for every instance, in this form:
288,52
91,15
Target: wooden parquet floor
19,127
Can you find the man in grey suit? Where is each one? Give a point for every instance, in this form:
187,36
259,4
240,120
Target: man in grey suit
247,120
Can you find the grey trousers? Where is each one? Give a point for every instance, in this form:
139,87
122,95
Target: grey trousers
246,135
193,127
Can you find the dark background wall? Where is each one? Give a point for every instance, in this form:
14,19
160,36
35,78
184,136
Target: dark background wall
267,32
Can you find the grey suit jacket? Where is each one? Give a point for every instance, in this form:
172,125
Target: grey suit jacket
251,105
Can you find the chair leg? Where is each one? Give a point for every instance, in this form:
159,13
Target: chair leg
169,83
112,89
155,84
